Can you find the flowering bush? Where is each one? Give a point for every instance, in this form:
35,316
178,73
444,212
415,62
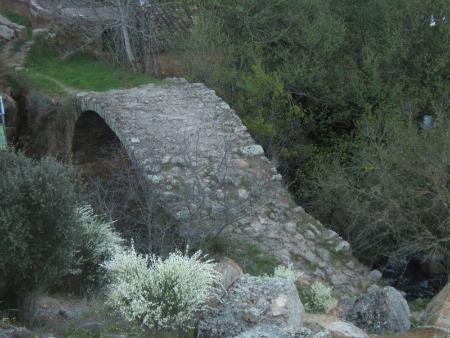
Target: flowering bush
161,294
96,242
317,298
287,272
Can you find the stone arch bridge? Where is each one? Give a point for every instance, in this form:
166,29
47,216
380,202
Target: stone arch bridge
210,177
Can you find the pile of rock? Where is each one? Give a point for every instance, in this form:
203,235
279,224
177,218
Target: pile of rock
10,30
260,307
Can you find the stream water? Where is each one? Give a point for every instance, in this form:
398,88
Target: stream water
412,277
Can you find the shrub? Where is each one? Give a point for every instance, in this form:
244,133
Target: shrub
161,294
317,297
96,242
37,223
287,272
393,193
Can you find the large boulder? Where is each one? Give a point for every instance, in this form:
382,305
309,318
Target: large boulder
437,312
268,331
252,303
340,329
379,310
335,326
230,272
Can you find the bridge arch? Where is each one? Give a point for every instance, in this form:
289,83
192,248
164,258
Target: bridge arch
114,185
90,117
210,178
93,140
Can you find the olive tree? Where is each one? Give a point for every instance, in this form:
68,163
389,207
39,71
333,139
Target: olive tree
38,222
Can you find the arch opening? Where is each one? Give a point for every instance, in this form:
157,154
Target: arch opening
95,143
115,188
113,183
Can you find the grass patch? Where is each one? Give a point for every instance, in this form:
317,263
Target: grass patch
20,20
81,71
44,84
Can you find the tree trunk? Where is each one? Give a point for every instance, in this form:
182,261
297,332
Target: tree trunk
124,29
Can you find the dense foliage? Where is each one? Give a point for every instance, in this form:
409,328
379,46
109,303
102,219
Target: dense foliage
394,191
47,240
307,74
37,222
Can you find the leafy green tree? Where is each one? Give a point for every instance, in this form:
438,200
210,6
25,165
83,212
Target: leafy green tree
37,222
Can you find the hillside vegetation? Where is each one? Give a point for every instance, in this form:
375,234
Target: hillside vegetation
336,92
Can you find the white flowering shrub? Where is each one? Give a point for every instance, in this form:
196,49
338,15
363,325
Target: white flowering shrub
317,298
95,243
287,272
161,294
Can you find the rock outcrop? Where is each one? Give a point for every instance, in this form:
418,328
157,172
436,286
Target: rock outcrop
422,332
230,272
437,312
340,329
256,305
379,310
